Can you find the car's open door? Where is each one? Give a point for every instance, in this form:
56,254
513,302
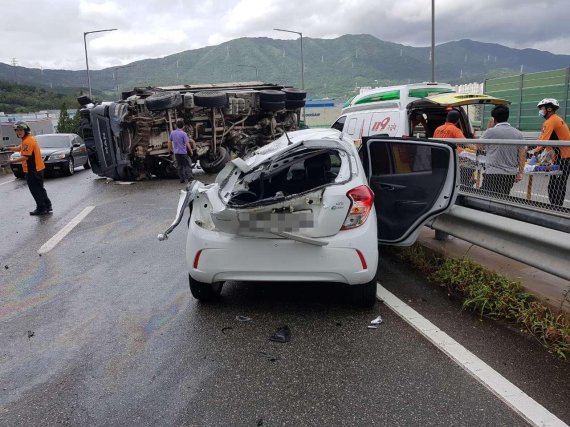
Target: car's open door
412,180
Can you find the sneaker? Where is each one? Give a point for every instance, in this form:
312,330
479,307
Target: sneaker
38,212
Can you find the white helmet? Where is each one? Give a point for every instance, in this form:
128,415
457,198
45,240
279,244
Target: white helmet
547,101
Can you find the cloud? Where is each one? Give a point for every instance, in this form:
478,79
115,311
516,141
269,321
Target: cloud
52,36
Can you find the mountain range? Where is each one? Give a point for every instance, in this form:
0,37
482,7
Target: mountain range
332,67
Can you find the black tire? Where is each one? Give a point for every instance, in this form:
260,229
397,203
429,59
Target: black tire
294,104
211,99
19,175
70,169
271,95
272,105
214,164
87,165
363,295
205,292
163,101
292,94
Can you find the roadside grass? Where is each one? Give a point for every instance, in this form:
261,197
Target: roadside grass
491,295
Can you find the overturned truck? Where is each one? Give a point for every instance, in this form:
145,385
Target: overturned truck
128,139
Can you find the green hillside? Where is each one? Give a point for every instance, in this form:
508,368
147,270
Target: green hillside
16,98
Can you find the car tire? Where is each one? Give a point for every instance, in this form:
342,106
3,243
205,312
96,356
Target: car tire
70,169
205,292
87,165
272,105
271,95
216,164
292,94
363,295
211,99
19,175
294,104
163,101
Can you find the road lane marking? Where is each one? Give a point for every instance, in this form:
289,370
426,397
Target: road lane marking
8,182
50,244
532,411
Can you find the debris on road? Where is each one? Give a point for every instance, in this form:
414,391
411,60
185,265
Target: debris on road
31,334
259,421
227,328
375,323
241,318
283,334
6,267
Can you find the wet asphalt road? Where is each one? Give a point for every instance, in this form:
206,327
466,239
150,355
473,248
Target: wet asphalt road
102,330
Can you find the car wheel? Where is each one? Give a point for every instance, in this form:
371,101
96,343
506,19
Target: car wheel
205,292
18,174
87,165
211,99
70,169
214,164
363,295
163,101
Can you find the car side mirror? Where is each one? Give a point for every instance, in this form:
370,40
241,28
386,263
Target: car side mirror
76,144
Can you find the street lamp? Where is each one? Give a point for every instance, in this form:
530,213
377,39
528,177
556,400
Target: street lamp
250,66
302,65
87,60
116,78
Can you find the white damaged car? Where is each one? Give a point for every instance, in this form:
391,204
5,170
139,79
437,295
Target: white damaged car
310,207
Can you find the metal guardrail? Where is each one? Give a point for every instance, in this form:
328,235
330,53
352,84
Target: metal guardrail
540,247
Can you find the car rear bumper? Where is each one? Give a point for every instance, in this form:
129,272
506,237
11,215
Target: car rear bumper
220,256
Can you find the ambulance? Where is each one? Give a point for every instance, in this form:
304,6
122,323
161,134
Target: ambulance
413,110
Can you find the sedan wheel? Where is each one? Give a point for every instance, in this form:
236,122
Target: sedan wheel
70,170
363,295
205,292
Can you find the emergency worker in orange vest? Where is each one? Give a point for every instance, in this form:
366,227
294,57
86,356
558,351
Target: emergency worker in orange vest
450,128
555,129
33,166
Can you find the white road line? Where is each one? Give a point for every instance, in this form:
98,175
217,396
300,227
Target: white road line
520,402
7,182
50,244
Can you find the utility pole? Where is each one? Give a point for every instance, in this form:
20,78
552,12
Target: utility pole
14,65
433,41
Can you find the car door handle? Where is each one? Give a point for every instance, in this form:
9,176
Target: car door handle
390,187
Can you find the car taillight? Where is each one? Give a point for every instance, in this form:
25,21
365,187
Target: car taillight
197,258
362,199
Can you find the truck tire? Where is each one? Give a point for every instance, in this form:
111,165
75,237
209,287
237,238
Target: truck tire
205,292
163,101
211,99
215,163
293,104
292,94
271,95
272,105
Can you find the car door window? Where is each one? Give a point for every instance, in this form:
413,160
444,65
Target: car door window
339,124
408,180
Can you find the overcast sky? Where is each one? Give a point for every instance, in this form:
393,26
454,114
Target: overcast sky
49,33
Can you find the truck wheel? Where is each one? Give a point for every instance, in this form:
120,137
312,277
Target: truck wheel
163,101
214,164
211,99
363,295
272,105
292,94
205,292
271,95
294,104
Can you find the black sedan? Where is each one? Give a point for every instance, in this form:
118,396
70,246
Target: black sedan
62,152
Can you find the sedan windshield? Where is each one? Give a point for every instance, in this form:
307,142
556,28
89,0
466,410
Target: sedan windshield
53,141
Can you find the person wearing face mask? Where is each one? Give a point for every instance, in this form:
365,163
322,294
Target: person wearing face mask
555,129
